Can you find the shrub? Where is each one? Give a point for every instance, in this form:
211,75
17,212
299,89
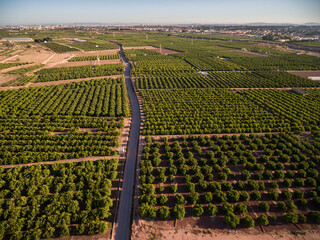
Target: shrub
255,195
233,196
287,182
281,206
179,212
212,210
263,219
179,199
173,188
291,218
193,197
197,210
286,194
297,194
207,197
292,207
273,194
248,221
163,199
226,207
245,175
302,218
264,206
164,213
241,209
232,220
244,196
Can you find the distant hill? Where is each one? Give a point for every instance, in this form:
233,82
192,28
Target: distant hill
281,24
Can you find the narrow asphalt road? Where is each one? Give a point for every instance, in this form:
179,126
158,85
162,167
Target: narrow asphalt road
123,225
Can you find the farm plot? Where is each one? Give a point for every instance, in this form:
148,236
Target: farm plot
59,48
52,138
59,200
161,66
24,70
99,98
187,111
20,81
169,80
45,124
282,62
94,45
240,181
90,58
136,54
9,65
261,79
53,74
206,63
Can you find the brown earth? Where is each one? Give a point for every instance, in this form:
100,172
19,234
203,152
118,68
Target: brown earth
163,230
6,78
305,74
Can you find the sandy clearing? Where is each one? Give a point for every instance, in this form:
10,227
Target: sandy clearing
35,54
7,59
45,62
7,77
149,230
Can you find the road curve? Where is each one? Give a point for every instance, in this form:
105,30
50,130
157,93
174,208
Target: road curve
123,224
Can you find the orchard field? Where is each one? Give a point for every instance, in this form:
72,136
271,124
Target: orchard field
242,181
59,166
226,111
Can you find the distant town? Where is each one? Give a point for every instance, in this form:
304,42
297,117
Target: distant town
279,33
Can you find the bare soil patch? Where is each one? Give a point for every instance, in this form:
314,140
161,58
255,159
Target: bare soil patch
6,78
305,74
163,230
35,54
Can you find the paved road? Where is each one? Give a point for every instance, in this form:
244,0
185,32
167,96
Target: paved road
123,225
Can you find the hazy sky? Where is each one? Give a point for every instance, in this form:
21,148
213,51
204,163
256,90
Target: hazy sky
158,12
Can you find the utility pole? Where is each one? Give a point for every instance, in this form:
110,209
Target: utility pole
147,37
160,49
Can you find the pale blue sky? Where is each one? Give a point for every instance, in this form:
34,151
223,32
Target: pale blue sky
18,12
